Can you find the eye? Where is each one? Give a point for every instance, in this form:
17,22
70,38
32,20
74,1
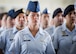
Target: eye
58,15
37,15
44,16
75,13
70,13
23,17
19,17
32,15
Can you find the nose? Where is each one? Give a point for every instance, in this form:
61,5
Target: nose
61,17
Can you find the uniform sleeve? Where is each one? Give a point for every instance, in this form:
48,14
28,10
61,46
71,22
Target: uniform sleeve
15,46
50,48
3,40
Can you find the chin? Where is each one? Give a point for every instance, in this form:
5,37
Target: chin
21,25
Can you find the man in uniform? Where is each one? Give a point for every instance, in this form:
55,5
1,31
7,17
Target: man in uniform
10,19
57,19
7,36
45,18
64,34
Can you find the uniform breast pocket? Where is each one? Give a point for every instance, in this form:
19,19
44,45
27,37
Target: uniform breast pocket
64,41
10,40
62,38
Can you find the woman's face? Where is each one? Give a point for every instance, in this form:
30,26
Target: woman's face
34,18
70,17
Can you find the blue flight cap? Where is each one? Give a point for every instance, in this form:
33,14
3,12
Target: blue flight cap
58,10
11,13
45,11
33,6
18,12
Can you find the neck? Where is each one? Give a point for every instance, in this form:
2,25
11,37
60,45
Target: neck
19,28
9,26
56,25
70,26
33,29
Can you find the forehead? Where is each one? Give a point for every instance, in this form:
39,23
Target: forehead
60,13
21,14
45,14
72,11
38,13
9,17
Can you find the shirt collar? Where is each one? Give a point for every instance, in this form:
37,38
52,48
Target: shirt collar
65,28
15,30
41,31
28,31
2,29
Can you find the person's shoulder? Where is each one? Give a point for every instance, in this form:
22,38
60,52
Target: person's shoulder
21,32
59,28
7,31
46,34
49,28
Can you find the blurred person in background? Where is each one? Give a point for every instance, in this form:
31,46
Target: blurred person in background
6,37
45,18
57,21
1,14
64,34
75,16
10,18
3,22
3,17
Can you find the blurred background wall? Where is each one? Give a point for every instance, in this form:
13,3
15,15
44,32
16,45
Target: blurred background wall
6,5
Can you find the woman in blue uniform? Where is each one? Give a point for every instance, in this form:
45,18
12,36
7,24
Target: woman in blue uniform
64,34
32,39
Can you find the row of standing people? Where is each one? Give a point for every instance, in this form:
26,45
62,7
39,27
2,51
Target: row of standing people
32,39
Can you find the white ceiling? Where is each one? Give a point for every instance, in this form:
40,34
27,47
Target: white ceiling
50,4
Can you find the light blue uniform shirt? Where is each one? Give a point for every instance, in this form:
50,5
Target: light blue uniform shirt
50,30
63,39
73,49
6,39
2,29
25,43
